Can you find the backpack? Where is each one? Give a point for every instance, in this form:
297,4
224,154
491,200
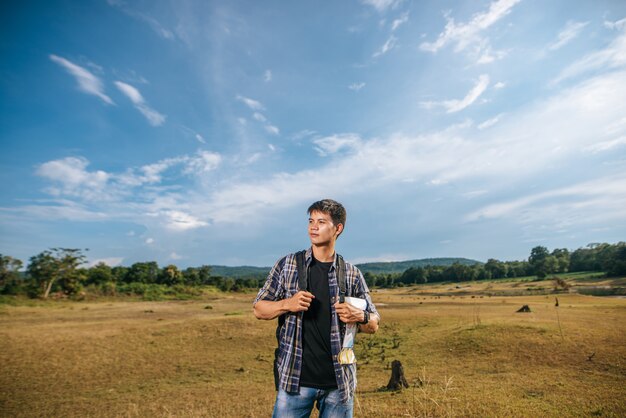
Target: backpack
303,284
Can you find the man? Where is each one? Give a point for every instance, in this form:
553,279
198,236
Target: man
310,338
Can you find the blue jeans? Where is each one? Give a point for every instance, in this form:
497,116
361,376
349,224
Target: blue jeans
300,405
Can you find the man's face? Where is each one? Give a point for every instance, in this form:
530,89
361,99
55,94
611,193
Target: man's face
321,228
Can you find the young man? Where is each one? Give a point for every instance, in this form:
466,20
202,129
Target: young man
314,325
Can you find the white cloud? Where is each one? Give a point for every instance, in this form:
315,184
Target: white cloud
571,31
177,220
611,57
456,105
499,85
154,24
606,145
400,21
109,261
488,56
464,34
202,162
489,122
272,129
71,175
617,25
153,117
174,256
267,76
544,134
382,5
547,133
356,86
149,241
334,143
258,116
200,138
606,192
252,104
87,82
388,46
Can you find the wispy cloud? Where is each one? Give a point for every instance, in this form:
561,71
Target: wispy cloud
259,117
399,21
388,46
617,25
267,76
571,31
256,107
334,143
272,129
154,118
154,24
606,192
456,105
544,134
87,82
177,220
356,86
611,57
198,137
251,103
382,5
489,122
464,34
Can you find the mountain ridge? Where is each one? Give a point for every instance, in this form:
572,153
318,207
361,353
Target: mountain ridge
382,267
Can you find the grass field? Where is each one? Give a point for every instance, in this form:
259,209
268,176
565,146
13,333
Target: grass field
465,353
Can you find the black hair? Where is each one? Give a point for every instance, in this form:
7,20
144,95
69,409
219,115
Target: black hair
333,208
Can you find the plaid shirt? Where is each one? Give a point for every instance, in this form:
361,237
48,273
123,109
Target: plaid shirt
282,283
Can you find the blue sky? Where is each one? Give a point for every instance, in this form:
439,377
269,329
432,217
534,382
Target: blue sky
198,132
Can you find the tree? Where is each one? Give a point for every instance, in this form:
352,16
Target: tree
497,268
170,275
147,272
542,262
563,258
9,272
100,273
57,265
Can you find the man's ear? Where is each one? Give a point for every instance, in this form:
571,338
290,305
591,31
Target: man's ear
339,229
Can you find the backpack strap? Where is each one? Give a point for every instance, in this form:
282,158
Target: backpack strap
341,278
303,270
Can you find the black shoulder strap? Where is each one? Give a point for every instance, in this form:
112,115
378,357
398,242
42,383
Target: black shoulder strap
341,278
303,271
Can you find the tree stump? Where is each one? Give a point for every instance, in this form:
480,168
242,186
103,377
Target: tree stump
397,380
524,308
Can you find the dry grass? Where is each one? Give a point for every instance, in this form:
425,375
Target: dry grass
463,356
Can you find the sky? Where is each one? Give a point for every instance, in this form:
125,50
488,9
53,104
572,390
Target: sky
195,132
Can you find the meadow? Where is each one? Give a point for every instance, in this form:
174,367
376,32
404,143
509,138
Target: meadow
464,349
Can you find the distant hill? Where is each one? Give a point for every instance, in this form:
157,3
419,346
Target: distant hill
239,271
401,266
374,268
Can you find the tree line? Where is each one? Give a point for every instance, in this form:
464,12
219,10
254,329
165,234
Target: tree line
607,258
60,271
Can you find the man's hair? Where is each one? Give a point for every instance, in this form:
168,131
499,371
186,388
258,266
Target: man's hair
335,209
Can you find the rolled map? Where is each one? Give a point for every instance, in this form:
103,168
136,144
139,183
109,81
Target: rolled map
346,355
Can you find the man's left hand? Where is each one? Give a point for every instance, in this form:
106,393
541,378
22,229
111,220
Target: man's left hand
348,313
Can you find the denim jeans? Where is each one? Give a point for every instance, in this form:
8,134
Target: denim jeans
300,405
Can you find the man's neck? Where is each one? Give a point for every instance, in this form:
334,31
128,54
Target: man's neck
324,253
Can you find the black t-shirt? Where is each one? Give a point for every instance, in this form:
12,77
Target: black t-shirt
317,358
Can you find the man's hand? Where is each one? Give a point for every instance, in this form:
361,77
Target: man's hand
348,313
300,301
